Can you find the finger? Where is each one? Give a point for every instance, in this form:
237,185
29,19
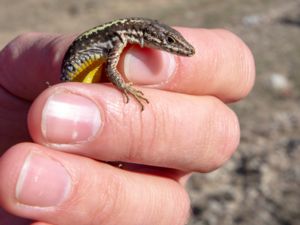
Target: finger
175,130
223,65
31,62
9,219
40,223
13,119
60,188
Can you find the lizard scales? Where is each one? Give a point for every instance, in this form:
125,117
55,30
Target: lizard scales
98,50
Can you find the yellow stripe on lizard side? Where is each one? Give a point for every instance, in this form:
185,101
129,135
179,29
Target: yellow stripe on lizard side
89,72
94,75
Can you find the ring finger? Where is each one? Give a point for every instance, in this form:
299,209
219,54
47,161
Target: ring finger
59,188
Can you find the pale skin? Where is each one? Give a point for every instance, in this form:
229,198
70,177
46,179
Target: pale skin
187,126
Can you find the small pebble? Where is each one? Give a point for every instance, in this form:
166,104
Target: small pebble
280,84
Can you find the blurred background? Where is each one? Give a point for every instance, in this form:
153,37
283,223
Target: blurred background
261,183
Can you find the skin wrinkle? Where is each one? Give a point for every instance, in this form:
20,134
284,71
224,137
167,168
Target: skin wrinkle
207,140
54,53
233,67
117,118
111,187
113,197
224,129
163,134
135,130
138,150
141,139
156,210
200,140
170,117
181,204
244,55
135,146
214,123
154,128
177,124
12,52
231,131
5,56
185,204
137,197
172,197
49,51
212,58
221,56
248,69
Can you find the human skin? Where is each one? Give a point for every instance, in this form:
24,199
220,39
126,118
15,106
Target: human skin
59,170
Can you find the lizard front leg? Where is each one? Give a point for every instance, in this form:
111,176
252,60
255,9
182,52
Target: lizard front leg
115,77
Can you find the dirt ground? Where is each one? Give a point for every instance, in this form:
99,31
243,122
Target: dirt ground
261,184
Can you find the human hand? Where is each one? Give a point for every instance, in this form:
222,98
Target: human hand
63,178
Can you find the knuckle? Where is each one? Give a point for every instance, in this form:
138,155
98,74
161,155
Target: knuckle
16,47
183,210
55,53
143,137
223,135
231,135
111,201
19,46
248,70
227,136
244,62
25,37
99,200
10,51
246,65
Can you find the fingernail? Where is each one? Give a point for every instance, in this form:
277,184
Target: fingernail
148,66
69,118
42,182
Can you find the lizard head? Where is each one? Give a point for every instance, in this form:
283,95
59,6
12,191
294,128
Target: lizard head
161,36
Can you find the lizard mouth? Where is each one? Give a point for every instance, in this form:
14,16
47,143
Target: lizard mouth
184,52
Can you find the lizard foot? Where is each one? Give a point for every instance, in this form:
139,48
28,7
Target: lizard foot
137,94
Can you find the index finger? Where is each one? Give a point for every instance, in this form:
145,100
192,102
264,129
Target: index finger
223,65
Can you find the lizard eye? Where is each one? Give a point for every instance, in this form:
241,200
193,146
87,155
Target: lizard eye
170,40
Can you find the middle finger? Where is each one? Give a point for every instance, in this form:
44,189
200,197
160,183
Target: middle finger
176,130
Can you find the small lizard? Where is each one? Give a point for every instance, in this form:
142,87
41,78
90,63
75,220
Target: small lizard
98,50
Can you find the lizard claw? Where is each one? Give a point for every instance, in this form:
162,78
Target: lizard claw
137,94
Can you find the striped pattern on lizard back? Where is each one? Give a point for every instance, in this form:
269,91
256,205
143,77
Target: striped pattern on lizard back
98,50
